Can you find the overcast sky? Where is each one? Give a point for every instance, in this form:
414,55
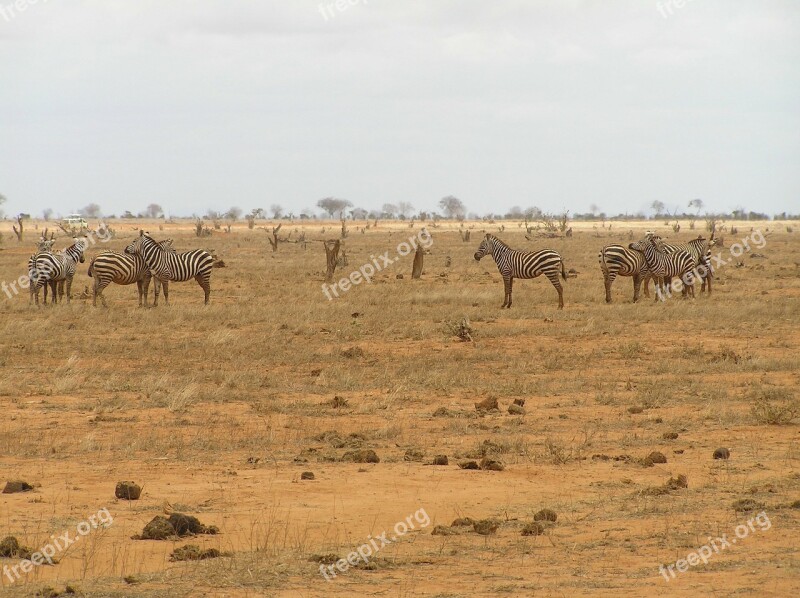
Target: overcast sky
207,104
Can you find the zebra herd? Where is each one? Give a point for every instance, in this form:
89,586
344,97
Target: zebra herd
143,259
642,260
146,259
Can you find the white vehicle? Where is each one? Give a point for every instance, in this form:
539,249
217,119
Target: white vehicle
75,223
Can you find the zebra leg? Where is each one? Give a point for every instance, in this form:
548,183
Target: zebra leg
637,282
553,277
205,284
647,279
508,283
609,280
54,292
69,289
165,287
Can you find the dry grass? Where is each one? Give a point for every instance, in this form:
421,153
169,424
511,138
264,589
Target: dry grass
220,408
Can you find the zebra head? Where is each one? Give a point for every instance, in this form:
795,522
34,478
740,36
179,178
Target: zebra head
486,248
77,249
639,245
136,245
45,244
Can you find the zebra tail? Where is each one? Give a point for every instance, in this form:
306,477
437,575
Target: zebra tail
563,272
91,264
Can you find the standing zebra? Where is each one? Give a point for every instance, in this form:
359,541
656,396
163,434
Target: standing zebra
43,245
616,260
664,266
123,269
179,267
700,250
523,264
52,268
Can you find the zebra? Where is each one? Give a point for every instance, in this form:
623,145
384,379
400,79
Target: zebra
522,264
123,269
43,245
664,266
700,250
52,268
616,260
177,267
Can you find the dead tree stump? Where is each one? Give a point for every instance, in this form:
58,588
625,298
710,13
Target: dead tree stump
18,232
331,257
419,257
273,241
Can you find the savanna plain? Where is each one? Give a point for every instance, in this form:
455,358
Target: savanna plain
216,412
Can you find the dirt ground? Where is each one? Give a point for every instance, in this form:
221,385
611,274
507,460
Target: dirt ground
217,410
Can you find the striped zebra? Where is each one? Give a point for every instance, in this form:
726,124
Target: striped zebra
664,266
43,245
178,267
123,269
53,268
700,250
523,264
617,260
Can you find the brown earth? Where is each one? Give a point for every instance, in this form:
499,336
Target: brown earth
217,411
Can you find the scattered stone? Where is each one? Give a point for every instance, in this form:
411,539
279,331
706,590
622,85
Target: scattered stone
441,460
669,435
515,409
489,404
192,552
745,505
353,352
128,491
657,457
361,456
722,453
185,525
634,409
413,454
520,402
443,530
307,475
491,465
486,527
469,465
10,549
441,412
546,515
399,277
536,528
338,402
677,483
463,522
15,486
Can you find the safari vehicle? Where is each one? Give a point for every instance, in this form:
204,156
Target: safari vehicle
75,223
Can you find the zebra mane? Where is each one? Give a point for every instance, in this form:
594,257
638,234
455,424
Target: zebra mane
497,240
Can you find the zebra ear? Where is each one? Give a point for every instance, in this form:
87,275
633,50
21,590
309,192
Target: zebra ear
141,232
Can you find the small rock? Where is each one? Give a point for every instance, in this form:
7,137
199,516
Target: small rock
486,527
469,465
159,528
515,409
463,522
669,435
10,549
361,456
128,491
307,475
745,505
413,454
353,352
15,486
489,404
676,483
722,453
657,457
192,552
441,460
535,528
491,465
520,402
441,412
546,515
399,277
635,409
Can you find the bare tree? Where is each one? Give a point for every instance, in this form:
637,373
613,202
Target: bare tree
331,257
419,257
344,228
405,209
453,207
154,211
46,214
18,232
91,211
332,205
273,241
389,210
234,213
277,211
658,207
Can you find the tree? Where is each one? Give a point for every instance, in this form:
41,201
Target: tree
154,211
389,210
452,207
91,211
358,214
234,213
405,209
277,211
594,208
658,207
333,205
47,213
2,201
696,203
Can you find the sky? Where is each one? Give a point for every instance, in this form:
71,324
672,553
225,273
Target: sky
564,104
